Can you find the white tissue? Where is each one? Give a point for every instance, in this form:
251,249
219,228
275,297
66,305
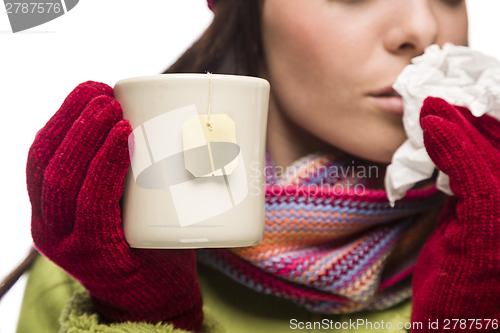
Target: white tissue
457,74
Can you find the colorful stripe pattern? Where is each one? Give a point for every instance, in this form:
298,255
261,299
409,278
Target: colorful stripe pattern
329,231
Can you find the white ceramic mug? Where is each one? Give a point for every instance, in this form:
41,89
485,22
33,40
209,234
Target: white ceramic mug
197,160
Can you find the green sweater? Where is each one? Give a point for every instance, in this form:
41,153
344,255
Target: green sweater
54,302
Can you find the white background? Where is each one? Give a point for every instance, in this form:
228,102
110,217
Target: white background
102,41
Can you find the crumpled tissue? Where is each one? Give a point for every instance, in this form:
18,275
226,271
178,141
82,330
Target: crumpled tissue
457,74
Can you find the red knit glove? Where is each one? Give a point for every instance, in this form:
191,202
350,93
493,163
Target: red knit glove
75,174
457,277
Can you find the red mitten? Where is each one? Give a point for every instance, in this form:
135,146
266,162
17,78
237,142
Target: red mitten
456,282
75,174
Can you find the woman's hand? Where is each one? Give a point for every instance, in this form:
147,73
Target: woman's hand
75,175
458,272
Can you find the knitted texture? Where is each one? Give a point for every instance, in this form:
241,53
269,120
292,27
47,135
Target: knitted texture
329,233
458,273
75,174
79,316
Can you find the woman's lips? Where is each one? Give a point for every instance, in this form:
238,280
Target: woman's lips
388,100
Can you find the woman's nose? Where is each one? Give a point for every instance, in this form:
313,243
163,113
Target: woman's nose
414,27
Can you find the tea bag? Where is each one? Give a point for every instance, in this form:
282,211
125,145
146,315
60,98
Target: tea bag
209,143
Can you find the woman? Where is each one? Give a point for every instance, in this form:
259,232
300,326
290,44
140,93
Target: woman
331,65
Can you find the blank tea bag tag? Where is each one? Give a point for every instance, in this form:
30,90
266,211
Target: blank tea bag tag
209,143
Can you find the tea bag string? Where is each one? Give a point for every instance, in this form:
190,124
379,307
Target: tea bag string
209,110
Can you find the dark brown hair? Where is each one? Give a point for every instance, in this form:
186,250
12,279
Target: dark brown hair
230,45
12,278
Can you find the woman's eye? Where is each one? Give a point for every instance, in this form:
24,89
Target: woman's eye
348,1
452,3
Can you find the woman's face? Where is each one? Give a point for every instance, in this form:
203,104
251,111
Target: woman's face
331,65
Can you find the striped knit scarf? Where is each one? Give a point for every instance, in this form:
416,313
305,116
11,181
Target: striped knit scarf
329,236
